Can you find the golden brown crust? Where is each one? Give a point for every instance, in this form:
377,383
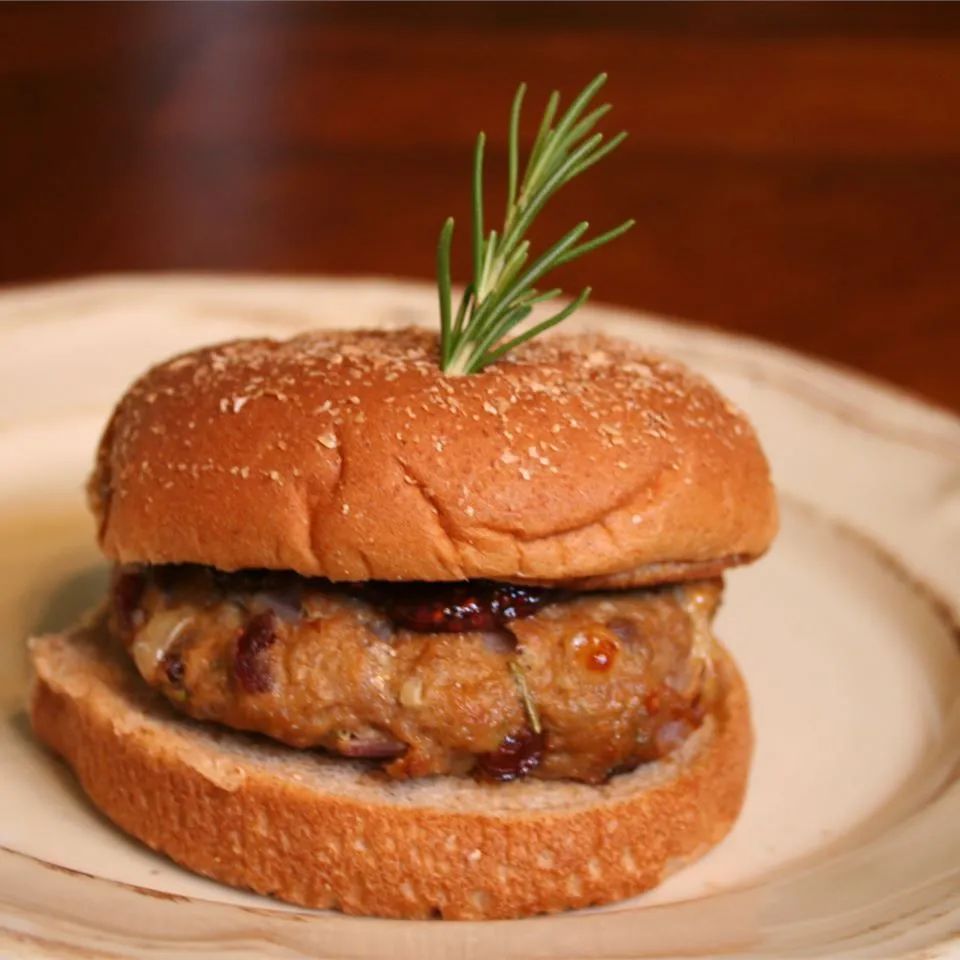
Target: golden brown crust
266,818
350,456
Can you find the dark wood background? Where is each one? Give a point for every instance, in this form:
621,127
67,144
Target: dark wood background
794,169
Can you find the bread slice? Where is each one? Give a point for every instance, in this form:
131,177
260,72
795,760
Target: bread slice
327,832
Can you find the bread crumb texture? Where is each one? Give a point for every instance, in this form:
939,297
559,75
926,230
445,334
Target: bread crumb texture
350,455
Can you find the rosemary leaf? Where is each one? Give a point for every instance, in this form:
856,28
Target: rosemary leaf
540,141
557,179
486,267
540,327
542,264
465,302
596,242
443,284
530,708
534,297
579,105
515,264
513,151
599,155
478,205
498,329
556,137
589,122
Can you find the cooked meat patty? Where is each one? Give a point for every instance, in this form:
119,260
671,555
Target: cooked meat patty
508,681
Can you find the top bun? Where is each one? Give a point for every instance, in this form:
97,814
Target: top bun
349,455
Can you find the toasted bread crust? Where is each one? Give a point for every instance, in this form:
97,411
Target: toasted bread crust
351,456
250,816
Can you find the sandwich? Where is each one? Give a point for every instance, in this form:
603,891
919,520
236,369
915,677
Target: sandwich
409,625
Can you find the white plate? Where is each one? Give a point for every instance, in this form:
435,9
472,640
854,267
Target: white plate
849,843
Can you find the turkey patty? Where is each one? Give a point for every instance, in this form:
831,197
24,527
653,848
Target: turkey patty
493,679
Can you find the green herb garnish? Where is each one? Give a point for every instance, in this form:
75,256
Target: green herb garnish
502,293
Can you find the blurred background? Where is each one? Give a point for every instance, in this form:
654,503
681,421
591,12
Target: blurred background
794,168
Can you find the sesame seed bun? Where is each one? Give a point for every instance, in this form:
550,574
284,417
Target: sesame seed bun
327,832
349,455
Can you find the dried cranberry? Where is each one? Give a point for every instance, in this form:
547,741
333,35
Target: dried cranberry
128,589
169,576
249,666
374,745
514,602
456,607
518,755
173,668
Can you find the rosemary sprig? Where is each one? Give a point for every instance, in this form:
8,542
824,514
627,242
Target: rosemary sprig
502,294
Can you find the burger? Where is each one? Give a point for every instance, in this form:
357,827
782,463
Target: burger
415,625
408,644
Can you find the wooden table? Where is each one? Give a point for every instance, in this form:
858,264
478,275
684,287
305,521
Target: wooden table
794,170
